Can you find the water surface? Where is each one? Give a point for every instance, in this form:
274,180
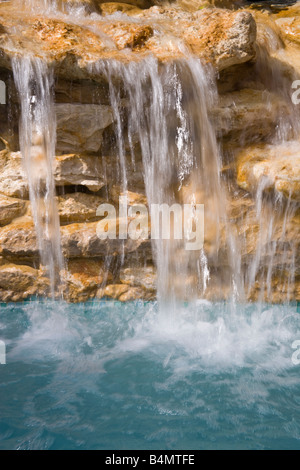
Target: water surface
106,375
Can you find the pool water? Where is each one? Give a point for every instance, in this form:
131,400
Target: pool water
107,375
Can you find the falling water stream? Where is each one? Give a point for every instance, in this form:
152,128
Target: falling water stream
168,124
37,143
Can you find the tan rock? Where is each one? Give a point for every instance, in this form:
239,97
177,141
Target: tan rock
273,167
128,35
224,37
247,114
221,37
18,282
110,8
78,240
124,293
81,170
81,240
131,197
18,241
111,170
11,208
13,181
78,207
80,127
279,290
83,278
73,169
144,277
290,28
18,278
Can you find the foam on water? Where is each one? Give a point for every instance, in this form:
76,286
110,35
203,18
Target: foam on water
108,375
205,336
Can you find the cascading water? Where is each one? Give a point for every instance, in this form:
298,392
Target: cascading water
276,255
162,113
167,122
37,142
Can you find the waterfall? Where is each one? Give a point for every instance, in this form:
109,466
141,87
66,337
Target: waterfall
163,118
167,108
273,265
167,123
34,83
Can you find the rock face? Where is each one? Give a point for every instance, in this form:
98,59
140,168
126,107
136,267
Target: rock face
82,240
144,277
18,282
78,207
80,127
83,278
13,180
221,37
228,38
18,241
81,170
249,114
254,57
272,168
10,209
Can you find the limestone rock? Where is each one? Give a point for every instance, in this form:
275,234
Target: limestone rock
18,241
72,169
290,28
110,8
128,35
78,240
194,5
247,114
11,208
80,127
226,38
82,241
221,37
124,293
18,282
273,167
78,207
81,170
17,277
13,181
144,277
132,198
83,278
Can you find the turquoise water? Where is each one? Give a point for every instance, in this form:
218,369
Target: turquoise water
112,376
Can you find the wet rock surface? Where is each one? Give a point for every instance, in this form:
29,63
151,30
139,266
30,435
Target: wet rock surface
221,37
